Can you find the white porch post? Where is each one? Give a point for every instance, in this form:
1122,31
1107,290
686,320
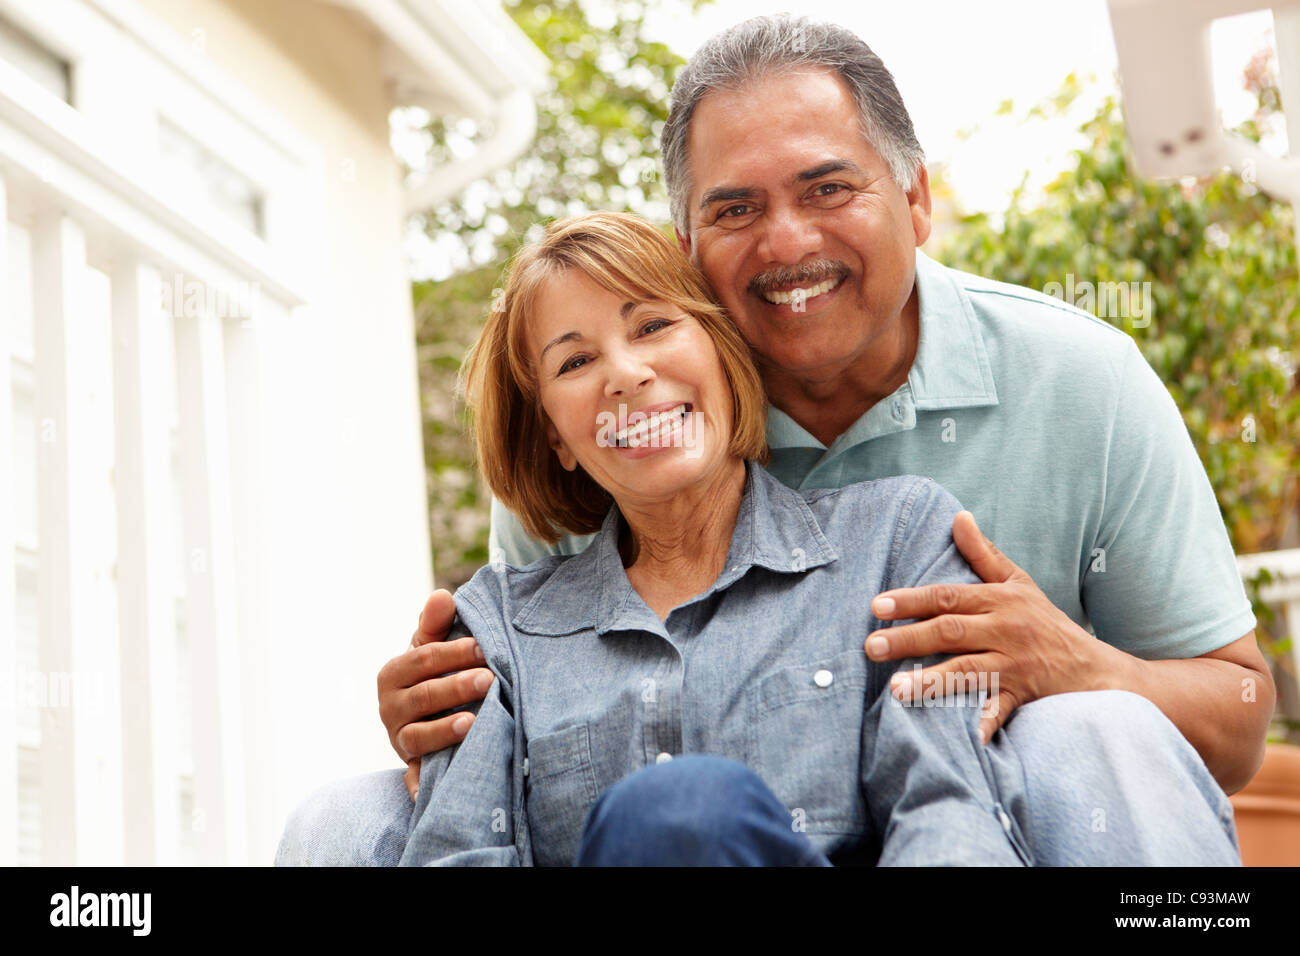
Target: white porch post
146,610
243,405
65,589
8,534
211,611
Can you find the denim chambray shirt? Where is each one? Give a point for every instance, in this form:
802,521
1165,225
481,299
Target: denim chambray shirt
766,666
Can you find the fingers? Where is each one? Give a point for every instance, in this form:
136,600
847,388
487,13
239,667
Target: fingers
958,675
429,736
436,619
947,634
412,705
931,600
980,553
430,660
994,714
412,778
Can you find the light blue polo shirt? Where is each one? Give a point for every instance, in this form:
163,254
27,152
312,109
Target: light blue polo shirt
1050,427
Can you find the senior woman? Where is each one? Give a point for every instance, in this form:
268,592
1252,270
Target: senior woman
692,687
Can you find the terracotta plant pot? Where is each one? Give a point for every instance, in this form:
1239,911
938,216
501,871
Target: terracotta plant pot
1268,810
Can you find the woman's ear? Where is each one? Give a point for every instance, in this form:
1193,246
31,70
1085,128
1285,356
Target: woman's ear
567,461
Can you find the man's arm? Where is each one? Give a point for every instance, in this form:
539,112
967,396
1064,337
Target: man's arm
1221,701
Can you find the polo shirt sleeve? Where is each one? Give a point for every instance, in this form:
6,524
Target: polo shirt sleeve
1161,580
469,811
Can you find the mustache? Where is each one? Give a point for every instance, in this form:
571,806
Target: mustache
804,274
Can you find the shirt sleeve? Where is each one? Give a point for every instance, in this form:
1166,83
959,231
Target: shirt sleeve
469,811
923,551
1161,580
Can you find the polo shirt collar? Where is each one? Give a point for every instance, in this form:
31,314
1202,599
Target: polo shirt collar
775,529
951,368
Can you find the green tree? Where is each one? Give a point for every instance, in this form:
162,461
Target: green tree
596,147
1221,259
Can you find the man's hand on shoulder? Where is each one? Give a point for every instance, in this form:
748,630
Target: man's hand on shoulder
1005,629
420,682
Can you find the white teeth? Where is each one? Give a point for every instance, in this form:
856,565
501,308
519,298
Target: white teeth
800,295
644,432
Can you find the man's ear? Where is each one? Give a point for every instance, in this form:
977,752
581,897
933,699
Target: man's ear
918,201
683,242
567,461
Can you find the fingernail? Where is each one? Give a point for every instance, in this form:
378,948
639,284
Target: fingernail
901,686
478,654
878,647
460,725
482,682
883,606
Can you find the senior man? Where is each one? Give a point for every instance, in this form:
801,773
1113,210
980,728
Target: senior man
798,187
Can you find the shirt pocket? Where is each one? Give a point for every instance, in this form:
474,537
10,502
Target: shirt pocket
806,740
560,790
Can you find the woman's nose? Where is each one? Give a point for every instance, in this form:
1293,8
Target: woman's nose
628,374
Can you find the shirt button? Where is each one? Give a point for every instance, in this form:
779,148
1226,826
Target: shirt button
663,758
1005,820
898,409
823,678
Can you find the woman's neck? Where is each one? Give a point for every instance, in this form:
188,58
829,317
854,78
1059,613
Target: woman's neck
677,548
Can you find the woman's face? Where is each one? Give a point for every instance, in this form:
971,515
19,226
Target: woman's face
635,391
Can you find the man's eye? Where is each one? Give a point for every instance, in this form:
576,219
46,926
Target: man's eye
831,192
736,211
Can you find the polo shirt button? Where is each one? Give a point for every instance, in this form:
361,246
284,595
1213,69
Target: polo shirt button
663,758
823,678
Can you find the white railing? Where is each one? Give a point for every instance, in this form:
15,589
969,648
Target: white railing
131,449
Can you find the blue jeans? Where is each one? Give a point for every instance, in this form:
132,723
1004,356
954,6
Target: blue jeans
1107,781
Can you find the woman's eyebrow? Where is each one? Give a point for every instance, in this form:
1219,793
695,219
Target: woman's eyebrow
559,340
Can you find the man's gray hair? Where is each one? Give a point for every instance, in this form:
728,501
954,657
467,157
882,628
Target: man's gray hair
773,44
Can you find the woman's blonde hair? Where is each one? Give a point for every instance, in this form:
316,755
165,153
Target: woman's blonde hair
631,258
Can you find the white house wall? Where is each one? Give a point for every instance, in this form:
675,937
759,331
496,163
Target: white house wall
345,515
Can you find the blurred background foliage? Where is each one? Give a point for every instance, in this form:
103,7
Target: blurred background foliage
1220,257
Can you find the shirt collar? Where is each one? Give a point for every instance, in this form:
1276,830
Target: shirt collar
775,529
951,368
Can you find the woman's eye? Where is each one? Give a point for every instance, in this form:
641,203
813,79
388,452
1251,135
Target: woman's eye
576,362
654,325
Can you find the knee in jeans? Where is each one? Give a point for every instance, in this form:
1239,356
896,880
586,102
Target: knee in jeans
695,795
1105,715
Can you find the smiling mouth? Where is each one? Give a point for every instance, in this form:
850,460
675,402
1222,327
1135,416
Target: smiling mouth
659,428
798,296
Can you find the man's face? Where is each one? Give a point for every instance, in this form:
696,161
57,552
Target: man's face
797,223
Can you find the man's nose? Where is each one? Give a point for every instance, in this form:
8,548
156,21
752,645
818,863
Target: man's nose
790,235
629,372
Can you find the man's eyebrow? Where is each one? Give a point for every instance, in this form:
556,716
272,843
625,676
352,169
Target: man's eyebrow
727,193
826,168
724,194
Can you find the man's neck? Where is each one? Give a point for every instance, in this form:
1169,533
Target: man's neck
826,402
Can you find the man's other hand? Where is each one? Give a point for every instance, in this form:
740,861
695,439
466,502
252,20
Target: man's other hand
420,682
1004,633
